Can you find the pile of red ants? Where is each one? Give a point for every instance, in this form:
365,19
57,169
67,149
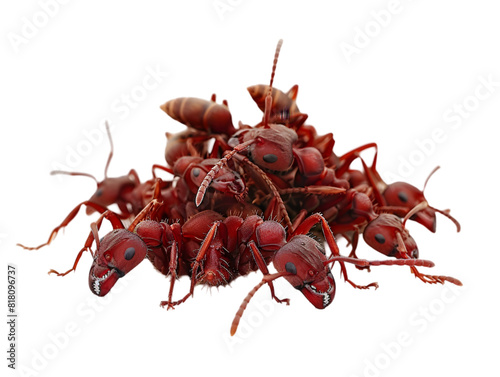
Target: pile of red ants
241,198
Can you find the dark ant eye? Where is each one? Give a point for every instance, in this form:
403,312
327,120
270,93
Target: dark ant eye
98,192
290,267
414,254
196,172
379,238
270,158
402,196
129,253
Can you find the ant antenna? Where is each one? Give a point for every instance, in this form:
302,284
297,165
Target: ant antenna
445,212
111,151
54,172
269,97
429,176
223,161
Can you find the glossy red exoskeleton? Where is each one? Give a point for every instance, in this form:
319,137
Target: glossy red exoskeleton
228,209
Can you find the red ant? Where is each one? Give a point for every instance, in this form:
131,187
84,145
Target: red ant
201,114
269,148
385,232
302,262
110,190
398,197
222,248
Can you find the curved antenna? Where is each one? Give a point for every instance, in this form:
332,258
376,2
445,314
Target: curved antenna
106,124
54,172
386,262
269,97
224,160
95,232
429,176
215,169
445,213
244,304
420,206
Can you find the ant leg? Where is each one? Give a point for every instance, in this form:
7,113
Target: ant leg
219,144
431,279
65,222
386,262
306,226
115,222
176,238
150,211
363,263
278,200
161,167
259,259
298,220
349,157
313,190
201,254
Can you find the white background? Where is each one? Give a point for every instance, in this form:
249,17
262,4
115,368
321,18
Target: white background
61,79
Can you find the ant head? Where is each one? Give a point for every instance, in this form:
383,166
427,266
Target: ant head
110,190
402,194
405,195
273,147
117,254
387,235
301,262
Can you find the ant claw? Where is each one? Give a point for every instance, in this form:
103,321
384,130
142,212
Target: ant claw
285,300
168,304
374,284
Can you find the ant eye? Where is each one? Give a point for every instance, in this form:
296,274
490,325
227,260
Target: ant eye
107,257
270,158
196,172
129,253
402,196
379,238
414,254
98,192
290,267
